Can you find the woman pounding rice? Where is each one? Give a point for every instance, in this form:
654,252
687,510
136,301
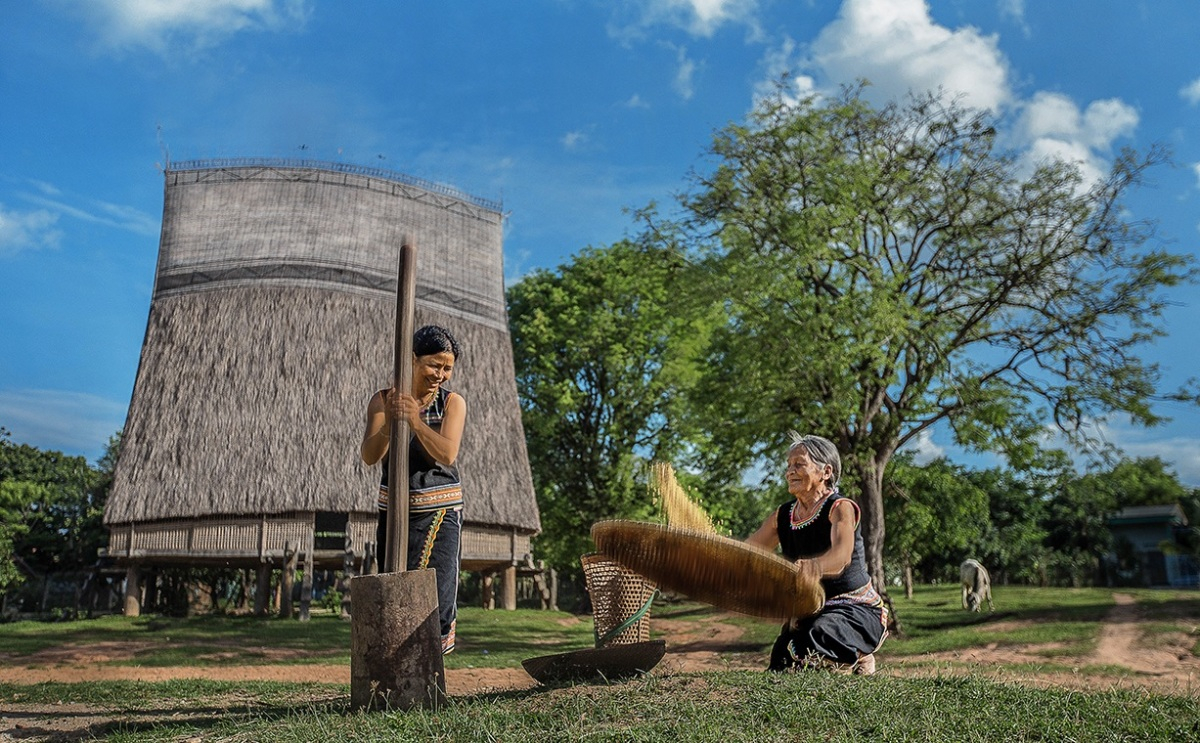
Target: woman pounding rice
822,526
436,417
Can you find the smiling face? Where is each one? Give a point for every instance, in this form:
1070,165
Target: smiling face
805,477
430,372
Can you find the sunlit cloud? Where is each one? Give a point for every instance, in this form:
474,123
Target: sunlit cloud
779,69
924,449
897,46
899,49
699,18
1014,10
1051,126
572,140
30,230
1182,453
1191,92
118,216
156,24
684,74
635,101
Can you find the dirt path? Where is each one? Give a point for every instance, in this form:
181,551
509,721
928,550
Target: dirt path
1120,645
1124,658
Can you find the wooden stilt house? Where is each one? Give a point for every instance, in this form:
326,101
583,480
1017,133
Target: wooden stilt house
270,326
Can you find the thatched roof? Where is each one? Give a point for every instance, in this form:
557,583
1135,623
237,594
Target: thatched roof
272,324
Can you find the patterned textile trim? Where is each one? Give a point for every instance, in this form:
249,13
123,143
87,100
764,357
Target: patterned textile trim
430,538
816,512
450,496
448,638
867,596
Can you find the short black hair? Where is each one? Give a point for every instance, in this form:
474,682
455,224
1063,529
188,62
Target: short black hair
433,339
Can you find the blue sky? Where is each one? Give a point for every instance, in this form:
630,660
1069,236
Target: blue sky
569,111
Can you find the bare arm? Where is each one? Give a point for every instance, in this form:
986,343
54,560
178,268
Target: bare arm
386,407
441,445
836,559
767,535
378,430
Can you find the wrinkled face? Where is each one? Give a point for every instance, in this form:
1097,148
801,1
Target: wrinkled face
431,372
804,476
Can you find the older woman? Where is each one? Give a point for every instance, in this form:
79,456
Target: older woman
822,526
436,418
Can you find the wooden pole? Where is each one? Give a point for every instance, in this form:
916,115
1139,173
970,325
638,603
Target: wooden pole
397,531
395,635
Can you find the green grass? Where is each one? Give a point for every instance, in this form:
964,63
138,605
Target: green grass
202,640
502,639
934,621
728,706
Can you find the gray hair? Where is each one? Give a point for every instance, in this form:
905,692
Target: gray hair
821,451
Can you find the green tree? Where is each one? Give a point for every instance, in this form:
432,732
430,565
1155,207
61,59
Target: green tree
602,348
1145,481
888,269
52,506
937,514
1014,546
1077,522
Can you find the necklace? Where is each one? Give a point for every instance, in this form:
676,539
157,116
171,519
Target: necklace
426,401
816,509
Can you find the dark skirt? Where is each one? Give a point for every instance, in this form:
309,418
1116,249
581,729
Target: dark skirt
434,541
840,632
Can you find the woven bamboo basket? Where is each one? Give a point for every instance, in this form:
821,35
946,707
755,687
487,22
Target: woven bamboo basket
620,601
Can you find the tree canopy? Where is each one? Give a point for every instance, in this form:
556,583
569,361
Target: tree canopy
885,270
601,348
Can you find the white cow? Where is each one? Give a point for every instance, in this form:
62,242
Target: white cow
976,586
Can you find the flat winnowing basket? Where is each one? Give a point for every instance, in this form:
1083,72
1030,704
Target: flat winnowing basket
717,570
620,601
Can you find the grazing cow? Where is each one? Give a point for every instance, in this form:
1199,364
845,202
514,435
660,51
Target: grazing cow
976,586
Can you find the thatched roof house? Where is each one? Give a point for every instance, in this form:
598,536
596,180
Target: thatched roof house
271,324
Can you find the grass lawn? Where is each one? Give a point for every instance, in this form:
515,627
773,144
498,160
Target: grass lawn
723,706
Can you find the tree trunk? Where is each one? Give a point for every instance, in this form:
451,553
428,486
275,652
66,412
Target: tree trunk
870,480
871,502
908,581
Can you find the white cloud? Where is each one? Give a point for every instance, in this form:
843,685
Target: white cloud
27,230
779,66
1105,121
1182,453
684,75
572,140
101,212
1051,125
75,423
698,17
924,449
635,101
1191,92
897,47
152,23
1196,170
1015,11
